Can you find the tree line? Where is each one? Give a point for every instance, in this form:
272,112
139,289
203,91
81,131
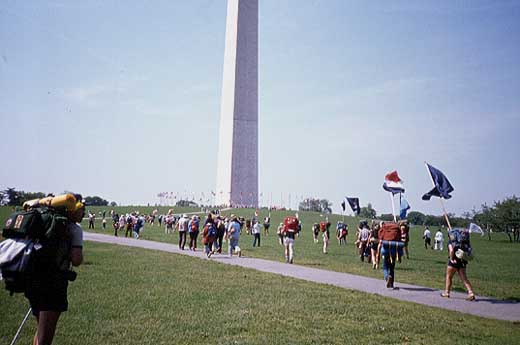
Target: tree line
13,197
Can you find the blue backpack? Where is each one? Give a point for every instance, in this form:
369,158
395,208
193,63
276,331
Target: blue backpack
459,238
212,230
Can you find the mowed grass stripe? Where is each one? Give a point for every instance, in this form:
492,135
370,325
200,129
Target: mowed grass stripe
134,296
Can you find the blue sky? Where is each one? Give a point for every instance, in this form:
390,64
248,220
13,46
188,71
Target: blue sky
122,99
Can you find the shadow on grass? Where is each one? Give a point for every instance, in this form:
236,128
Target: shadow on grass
312,264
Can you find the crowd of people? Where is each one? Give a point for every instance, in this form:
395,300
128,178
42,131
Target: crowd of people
385,242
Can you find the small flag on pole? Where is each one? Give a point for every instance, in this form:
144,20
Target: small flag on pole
442,188
474,228
354,204
405,206
393,183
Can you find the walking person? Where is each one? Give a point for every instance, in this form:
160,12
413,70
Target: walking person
325,229
373,239
459,251
47,289
182,227
315,232
221,231
280,234
390,249
362,239
290,229
427,237
438,240
209,234
193,229
256,233
234,229
405,236
91,219
341,233
267,224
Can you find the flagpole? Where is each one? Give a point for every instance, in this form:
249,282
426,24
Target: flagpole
393,206
440,197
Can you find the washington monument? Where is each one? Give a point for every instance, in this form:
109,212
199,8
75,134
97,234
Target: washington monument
237,173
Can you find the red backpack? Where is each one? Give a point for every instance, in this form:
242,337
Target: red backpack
290,224
323,226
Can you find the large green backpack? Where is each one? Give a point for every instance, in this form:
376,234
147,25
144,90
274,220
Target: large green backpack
47,228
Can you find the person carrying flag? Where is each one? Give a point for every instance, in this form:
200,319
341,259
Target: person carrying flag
459,251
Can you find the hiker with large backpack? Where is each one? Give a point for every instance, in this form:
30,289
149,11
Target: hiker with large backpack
290,229
51,231
325,229
233,234
341,233
390,249
193,229
362,239
209,235
460,252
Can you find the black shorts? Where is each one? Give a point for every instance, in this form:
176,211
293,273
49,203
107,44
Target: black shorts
48,292
457,264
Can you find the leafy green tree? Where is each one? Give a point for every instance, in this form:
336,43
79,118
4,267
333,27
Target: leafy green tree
416,218
387,217
95,201
315,205
186,203
368,212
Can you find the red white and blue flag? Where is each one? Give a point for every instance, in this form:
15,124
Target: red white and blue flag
393,183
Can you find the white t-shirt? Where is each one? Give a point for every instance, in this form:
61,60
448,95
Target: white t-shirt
76,234
427,234
256,228
183,224
439,236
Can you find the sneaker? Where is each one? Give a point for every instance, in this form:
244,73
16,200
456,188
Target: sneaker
209,254
445,295
390,283
471,297
291,261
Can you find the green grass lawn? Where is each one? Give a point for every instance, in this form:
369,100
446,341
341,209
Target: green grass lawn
135,296
493,272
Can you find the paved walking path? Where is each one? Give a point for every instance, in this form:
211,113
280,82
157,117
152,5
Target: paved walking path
483,306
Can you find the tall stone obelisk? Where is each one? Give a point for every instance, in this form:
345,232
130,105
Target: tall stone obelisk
237,174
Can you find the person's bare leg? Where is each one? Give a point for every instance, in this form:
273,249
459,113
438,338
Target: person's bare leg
465,280
47,322
450,271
